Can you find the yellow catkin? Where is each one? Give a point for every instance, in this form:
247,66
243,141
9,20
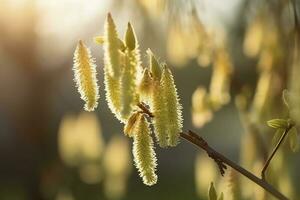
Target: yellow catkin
145,86
173,107
128,89
143,152
220,81
85,76
112,89
157,102
111,48
160,120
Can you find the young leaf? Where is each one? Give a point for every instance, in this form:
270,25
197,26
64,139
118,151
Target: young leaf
173,107
143,151
212,194
278,123
294,140
85,76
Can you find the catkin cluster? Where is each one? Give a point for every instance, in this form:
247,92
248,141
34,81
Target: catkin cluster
138,97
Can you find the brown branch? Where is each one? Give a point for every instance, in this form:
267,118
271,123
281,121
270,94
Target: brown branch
145,110
263,175
221,159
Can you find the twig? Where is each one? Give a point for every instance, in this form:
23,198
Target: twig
201,143
263,175
145,109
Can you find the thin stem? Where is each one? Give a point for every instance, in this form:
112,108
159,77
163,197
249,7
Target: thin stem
263,172
201,143
295,14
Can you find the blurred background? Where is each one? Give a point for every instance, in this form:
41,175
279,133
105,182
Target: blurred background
231,61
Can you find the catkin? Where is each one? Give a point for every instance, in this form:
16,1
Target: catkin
112,89
157,102
143,152
128,90
172,105
145,86
111,48
160,120
85,76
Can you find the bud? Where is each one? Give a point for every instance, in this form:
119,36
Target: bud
143,151
130,38
278,123
155,67
85,76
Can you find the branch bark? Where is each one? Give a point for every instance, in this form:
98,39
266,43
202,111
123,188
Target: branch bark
222,161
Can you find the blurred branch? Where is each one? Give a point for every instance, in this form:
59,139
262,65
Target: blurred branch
201,143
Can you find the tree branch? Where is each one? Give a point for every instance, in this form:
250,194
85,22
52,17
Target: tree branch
222,160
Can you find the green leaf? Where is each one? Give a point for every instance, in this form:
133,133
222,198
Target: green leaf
293,139
278,123
221,197
212,194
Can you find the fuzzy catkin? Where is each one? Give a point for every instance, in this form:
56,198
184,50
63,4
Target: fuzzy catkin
143,152
112,94
85,76
111,48
159,111
145,86
172,106
128,92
